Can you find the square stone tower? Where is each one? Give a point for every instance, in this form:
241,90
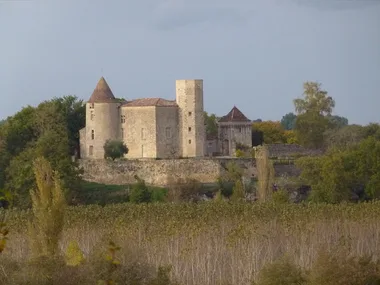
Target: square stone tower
189,98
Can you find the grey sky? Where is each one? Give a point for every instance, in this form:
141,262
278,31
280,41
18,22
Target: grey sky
254,54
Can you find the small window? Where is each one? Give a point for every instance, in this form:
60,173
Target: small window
92,106
189,141
189,129
92,134
91,150
92,115
168,132
190,113
122,133
122,119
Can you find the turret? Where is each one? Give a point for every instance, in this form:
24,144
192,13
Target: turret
189,97
102,120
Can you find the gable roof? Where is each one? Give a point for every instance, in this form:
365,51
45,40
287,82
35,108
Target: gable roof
235,115
159,102
102,93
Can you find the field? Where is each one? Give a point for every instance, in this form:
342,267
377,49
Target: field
212,242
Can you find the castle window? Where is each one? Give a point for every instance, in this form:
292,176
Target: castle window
122,119
168,132
189,141
92,115
190,113
122,133
189,129
143,134
91,150
92,134
92,106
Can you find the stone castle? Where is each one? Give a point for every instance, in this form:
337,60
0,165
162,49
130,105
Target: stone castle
159,128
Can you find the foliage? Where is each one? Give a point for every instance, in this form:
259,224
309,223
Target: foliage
49,130
291,137
265,174
310,129
337,122
288,121
282,272
340,175
74,256
239,153
280,196
140,192
3,236
272,130
238,193
48,206
344,137
315,100
313,113
338,268
211,124
114,149
113,264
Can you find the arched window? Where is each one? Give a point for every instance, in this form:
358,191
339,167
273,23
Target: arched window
92,134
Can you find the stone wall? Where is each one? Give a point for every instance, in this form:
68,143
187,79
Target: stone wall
162,172
290,150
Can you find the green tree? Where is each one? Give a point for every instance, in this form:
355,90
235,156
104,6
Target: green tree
211,124
48,206
114,149
338,122
272,130
140,193
312,115
288,121
344,137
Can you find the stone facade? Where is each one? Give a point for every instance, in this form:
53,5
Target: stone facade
234,128
150,127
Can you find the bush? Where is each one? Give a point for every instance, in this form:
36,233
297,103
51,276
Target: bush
280,196
114,149
281,272
140,193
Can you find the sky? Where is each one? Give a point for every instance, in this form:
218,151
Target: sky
255,54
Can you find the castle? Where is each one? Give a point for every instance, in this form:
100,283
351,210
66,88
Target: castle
159,128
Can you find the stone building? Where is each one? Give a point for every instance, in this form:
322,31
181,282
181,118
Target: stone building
150,127
234,128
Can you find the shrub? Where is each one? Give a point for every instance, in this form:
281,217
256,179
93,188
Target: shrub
74,256
238,194
280,196
140,193
239,153
281,272
114,149
340,269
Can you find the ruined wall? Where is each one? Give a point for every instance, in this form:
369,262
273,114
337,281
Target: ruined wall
162,172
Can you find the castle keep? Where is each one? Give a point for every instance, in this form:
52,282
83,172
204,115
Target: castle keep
159,128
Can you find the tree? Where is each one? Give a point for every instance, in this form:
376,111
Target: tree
48,206
114,149
312,115
211,124
315,100
344,137
288,121
272,130
340,175
338,122
140,192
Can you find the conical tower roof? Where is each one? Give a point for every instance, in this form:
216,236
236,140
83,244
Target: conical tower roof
102,93
235,115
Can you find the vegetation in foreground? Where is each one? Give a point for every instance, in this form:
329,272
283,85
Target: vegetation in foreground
207,243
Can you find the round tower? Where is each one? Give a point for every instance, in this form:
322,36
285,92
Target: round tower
102,120
189,97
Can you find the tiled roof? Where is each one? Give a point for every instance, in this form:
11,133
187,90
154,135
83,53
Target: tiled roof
102,93
159,102
235,115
